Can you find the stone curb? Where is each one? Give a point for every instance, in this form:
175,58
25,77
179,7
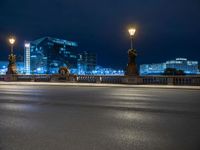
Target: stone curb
100,85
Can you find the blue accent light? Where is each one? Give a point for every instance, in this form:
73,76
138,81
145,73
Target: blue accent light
189,67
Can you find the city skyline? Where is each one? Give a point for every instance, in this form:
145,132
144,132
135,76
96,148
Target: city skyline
165,30
20,52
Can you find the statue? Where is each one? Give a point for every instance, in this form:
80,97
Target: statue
64,73
12,66
12,59
132,66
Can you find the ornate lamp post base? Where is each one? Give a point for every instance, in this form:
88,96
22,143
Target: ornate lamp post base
132,75
132,69
132,66
12,69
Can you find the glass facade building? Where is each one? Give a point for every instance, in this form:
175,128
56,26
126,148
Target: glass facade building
189,67
46,55
153,69
27,61
87,62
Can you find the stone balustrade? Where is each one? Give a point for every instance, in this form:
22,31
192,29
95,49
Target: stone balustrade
171,80
148,80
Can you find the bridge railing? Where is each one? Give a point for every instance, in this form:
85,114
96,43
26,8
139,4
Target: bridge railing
148,80
100,79
2,77
154,80
25,78
171,80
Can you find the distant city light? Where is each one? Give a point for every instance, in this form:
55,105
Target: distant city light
39,69
189,67
27,45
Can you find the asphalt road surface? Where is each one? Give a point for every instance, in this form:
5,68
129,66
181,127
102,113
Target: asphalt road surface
98,118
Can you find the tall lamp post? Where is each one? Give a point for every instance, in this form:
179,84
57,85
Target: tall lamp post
12,58
132,54
132,33
12,42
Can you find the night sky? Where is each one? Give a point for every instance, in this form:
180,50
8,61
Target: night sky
166,29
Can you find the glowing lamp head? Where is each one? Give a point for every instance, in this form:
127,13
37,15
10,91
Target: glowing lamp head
132,31
12,41
27,45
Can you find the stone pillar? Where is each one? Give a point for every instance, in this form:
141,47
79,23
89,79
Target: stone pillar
132,75
170,81
131,69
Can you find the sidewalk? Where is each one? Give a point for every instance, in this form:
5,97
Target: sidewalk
100,85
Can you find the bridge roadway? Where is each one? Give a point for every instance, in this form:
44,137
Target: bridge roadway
42,117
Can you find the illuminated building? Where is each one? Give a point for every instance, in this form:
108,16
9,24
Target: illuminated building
4,64
46,55
153,69
27,61
106,71
87,62
189,67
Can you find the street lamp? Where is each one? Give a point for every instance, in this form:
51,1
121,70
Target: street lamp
132,54
12,59
132,33
12,42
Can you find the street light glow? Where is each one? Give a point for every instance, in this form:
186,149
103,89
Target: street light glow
132,31
12,41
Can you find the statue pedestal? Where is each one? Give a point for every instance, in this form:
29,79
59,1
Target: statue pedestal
132,69
10,77
12,69
132,76
132,80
